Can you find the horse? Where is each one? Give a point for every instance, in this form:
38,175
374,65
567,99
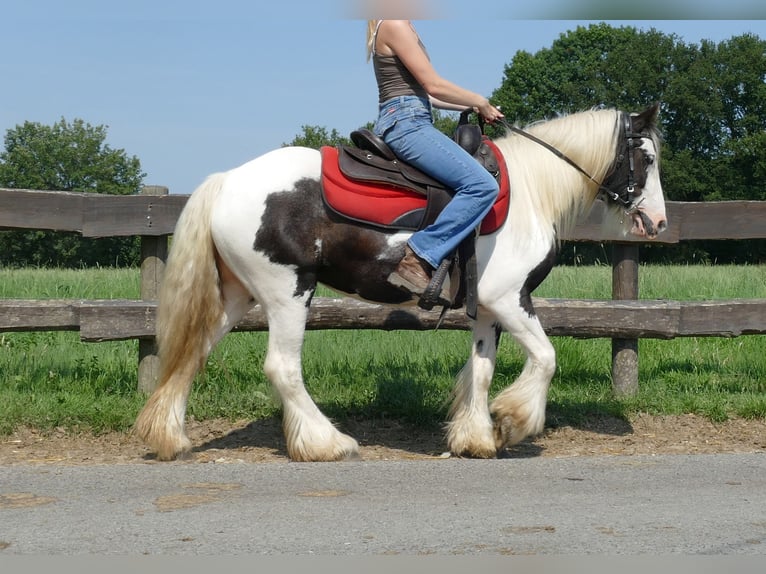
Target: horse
261,234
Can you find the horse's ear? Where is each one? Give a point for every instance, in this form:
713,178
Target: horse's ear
647,118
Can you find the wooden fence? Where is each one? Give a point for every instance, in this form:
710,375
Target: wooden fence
152,215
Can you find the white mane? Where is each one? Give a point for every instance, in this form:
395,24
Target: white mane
547,193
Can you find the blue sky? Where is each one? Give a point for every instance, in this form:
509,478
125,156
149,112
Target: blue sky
192,87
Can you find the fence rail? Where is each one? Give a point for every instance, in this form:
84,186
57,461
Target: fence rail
116,320
153,214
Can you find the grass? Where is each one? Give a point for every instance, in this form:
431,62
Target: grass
51,379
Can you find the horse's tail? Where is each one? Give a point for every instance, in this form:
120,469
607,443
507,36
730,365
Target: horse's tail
190,303
190,312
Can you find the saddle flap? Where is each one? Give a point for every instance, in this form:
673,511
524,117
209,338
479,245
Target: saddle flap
363,165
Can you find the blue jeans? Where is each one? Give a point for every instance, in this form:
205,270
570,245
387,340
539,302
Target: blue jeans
406,125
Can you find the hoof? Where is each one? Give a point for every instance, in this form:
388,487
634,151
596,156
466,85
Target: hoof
484,449
466,439
503,431
166,450
345,449
477,452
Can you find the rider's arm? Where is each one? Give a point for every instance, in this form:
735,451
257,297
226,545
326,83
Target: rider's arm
442,105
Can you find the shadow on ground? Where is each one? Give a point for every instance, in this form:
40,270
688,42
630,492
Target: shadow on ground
384,435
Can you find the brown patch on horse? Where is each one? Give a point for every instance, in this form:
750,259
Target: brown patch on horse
349,258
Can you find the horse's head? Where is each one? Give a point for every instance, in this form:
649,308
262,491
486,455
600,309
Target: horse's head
633,184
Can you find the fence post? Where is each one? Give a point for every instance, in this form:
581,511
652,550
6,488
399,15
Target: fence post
154,253
624,351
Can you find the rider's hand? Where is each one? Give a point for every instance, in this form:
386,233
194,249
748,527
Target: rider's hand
489,112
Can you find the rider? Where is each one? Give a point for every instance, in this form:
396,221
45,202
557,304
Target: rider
408,86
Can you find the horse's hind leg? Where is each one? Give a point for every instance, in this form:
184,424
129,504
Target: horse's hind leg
519,410
161,421
160,424
309,434
470,429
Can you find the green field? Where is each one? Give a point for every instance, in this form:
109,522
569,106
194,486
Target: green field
51,379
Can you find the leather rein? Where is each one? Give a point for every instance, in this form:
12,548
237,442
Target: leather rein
629,199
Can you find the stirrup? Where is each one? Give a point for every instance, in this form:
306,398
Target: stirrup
432,294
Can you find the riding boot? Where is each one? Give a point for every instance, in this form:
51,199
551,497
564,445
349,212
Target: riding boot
414,275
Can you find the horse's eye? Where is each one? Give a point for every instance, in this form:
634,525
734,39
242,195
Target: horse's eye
648,159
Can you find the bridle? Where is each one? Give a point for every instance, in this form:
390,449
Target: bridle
627,198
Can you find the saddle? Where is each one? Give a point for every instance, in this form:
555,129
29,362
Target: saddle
367,184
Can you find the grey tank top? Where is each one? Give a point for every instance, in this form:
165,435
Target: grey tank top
393,77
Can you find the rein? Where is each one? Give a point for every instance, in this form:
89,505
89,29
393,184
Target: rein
629,203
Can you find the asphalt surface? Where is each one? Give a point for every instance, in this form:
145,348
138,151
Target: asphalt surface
637,505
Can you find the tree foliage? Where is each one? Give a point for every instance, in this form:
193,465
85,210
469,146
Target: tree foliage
66,157
318,136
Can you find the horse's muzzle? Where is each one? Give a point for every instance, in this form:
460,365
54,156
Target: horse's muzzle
647,226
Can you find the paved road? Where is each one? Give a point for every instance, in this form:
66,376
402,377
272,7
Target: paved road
703,504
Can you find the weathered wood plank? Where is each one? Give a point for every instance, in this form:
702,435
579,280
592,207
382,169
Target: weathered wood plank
40,315
26,209
114,320
719,219
723,318
600,318
101,215
104,320
124,215
117,319
93,215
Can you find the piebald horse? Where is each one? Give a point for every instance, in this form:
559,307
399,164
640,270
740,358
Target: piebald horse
262,234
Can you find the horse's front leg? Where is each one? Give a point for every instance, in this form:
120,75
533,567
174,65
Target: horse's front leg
309,434
519,410
470,428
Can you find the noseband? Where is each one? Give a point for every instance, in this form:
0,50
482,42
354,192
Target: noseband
627,198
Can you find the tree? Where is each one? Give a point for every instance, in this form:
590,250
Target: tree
584,68
66,157
316,137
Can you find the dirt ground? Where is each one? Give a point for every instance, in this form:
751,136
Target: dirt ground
220,441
